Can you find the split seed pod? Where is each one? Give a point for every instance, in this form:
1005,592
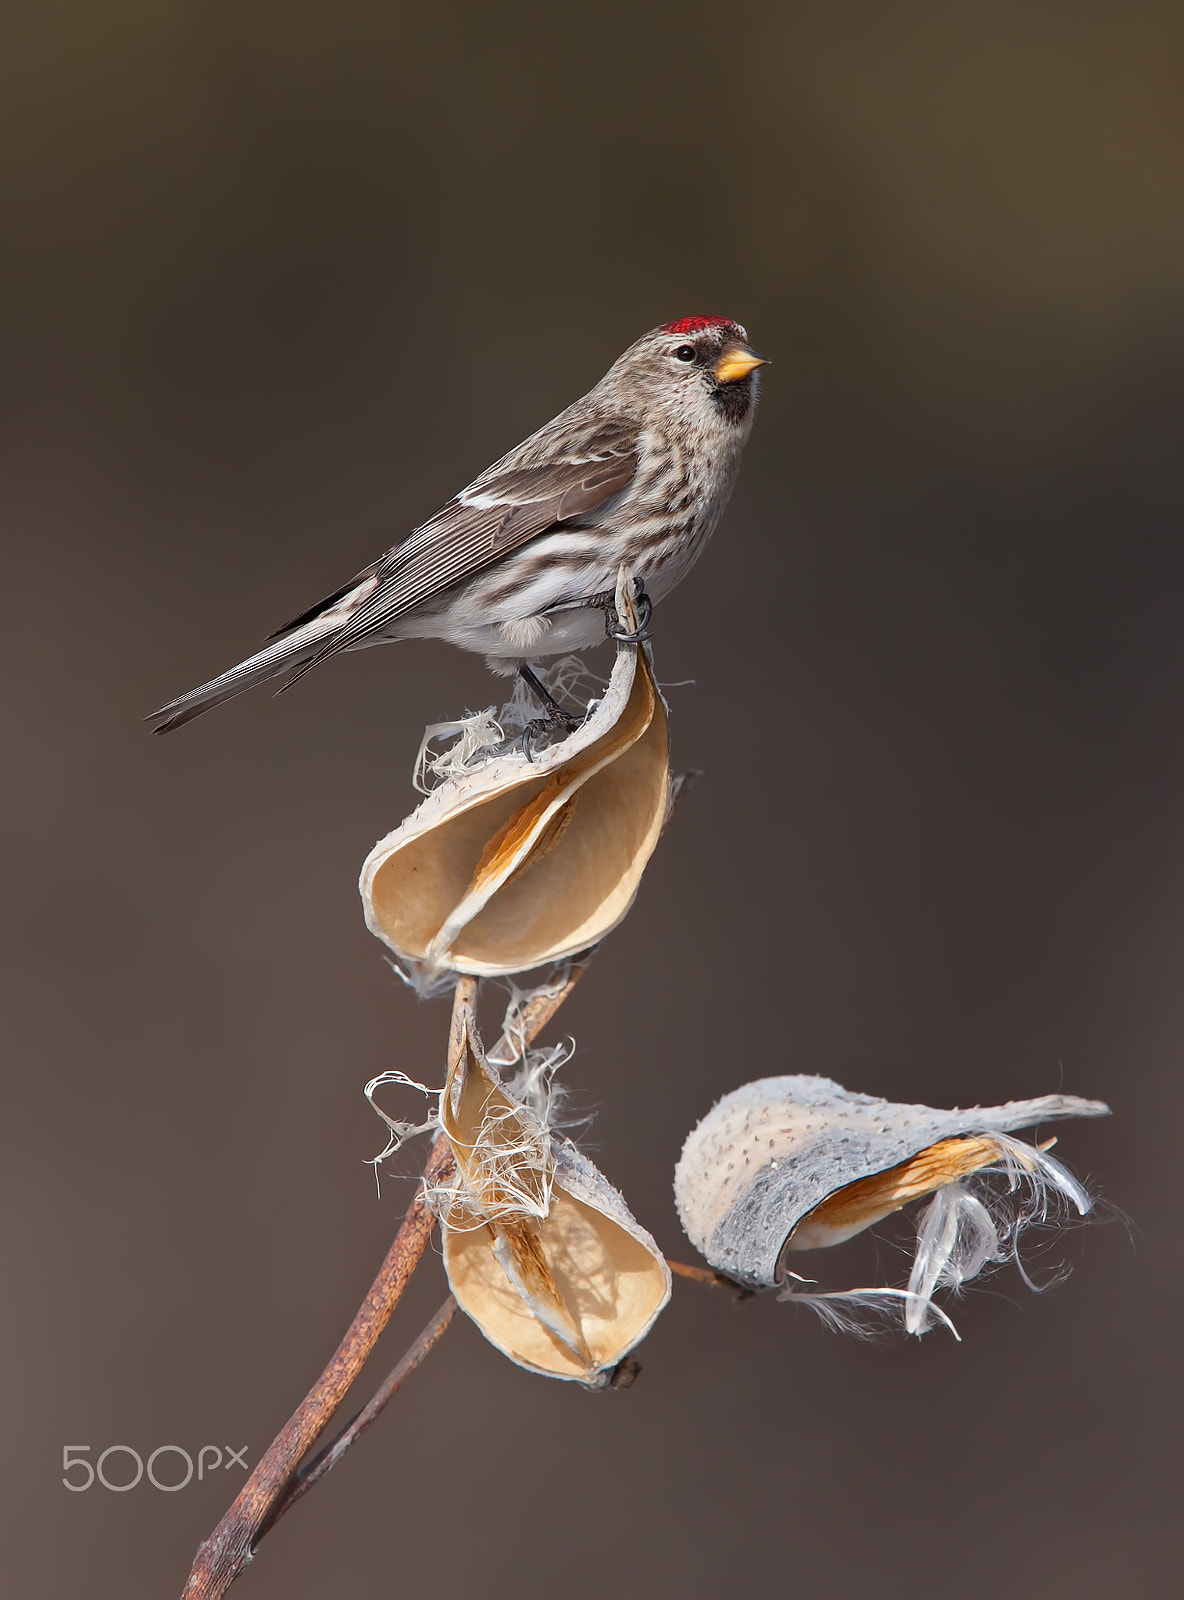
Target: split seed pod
520,862
540,1250
798,1163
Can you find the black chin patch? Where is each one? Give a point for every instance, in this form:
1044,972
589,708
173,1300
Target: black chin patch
733,401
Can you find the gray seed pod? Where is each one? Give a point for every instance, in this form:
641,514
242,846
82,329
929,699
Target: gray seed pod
766,1156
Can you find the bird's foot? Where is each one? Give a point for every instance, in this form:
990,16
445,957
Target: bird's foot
538,735
558,720
645,610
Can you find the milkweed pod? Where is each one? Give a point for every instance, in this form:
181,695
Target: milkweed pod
540,1250
795,1163
520,862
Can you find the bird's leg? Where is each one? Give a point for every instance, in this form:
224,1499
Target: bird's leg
645,610
557,716
557,713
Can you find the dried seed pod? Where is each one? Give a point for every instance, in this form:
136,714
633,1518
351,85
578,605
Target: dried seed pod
540,1250
795,1163
517,862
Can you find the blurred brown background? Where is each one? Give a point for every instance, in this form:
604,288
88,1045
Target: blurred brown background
276,281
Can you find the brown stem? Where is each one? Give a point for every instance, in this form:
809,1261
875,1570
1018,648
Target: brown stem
325,1460
229,1548
274,1485
708,1276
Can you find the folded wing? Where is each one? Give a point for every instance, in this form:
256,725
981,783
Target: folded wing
510,504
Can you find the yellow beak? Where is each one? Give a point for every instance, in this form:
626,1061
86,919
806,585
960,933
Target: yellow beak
737,362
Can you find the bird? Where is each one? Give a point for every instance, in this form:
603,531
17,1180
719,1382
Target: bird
523,562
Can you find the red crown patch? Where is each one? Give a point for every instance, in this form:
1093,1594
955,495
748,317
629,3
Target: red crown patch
694,324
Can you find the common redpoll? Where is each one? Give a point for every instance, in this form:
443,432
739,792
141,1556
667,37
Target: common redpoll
524,562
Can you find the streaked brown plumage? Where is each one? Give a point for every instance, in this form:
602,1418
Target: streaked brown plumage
521,562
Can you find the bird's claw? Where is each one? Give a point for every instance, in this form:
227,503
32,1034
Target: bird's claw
544,727
645,610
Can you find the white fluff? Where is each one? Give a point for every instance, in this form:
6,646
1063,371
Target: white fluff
479,735
956,1237
510,1174
427,984
839,1308
966,1226
519,1002
474,736
511,1168
532,1087
398,1132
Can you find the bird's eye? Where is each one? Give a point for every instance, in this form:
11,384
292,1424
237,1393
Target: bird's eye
685,352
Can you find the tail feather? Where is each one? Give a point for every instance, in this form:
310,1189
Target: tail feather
275,662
